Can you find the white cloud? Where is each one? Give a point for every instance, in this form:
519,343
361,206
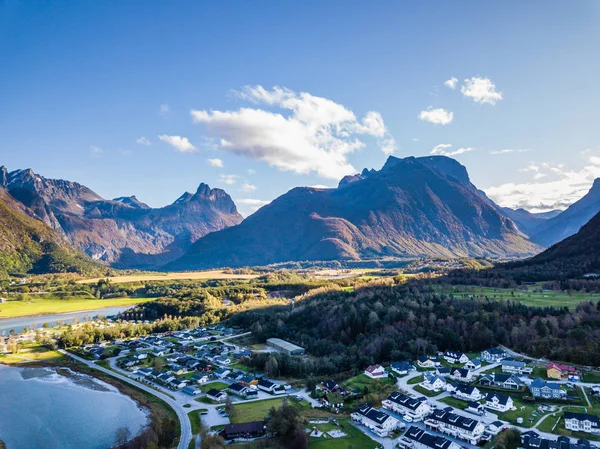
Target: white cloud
96,151
253,204
164,110
228,179
531,167
142,141
308,134
511,150
562,189
320,186
451,83
216,162
180,143
251,171
415,139
246,187
481,90
443,149
438,116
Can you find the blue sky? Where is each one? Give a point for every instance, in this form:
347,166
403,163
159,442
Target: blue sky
82,82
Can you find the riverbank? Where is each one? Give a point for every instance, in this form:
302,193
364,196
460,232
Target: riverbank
163,426
42,307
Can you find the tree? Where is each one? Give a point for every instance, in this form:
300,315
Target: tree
286,424
213,442
272,367
122,436
509,439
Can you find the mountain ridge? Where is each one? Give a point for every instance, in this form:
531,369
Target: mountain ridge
411,207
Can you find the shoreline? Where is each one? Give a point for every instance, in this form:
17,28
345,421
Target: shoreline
153,407
41,315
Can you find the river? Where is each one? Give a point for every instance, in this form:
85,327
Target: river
40,408
18,324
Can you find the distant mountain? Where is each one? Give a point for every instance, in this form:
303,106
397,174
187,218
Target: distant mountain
569,221
411,207
124,232
29,246
527,221
573,257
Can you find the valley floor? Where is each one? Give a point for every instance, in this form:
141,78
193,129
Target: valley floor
33,306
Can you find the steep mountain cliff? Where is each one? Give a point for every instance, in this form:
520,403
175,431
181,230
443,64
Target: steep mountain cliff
29,246
124,232
411,207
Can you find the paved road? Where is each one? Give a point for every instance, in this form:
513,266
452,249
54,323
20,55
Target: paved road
184,422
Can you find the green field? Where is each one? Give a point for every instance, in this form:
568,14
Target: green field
32,352
533,296
258,410
425,392
354,438
361,381
216,385
415,380
34,305
456,403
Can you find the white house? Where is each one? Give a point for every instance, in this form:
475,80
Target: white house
499,402
461,427
582,422
493,355
461,374
515,367
416,438
456,357
216,395
378,422
432,382
402,368
467,392
428,362
375,372
415,408
473,363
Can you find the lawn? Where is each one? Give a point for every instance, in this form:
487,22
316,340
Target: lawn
531,297
32,352
38,305
361,381
549,422
454,402
591,377
194,417
258,410
354,438
415,380
527,413
426,392
215,385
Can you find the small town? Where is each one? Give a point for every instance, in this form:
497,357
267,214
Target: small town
447,400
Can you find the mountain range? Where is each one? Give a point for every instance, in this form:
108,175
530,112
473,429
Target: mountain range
412,207
123,232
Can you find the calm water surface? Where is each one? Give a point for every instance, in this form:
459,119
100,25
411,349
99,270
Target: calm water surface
40,408
18,324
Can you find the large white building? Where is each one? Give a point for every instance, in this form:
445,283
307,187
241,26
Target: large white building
457,426
582,422
380,423
416,438
415,408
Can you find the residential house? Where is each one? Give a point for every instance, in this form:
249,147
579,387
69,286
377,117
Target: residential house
457,426
402,368
562,372
378,422
493,355
467,392
200,378
191,390
144,371
516,367
506,381
166,377
433,382
242,391
244,431
416,438
456,357
428,362
532,440
415,408
541,389
463,374
582,422
499,402
216,395
475,407
221,373
473,363
375,372
270,387
443,371
331,386
178,384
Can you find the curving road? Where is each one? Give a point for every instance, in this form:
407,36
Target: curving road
184,422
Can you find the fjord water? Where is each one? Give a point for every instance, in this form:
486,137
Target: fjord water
33,322
40,408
